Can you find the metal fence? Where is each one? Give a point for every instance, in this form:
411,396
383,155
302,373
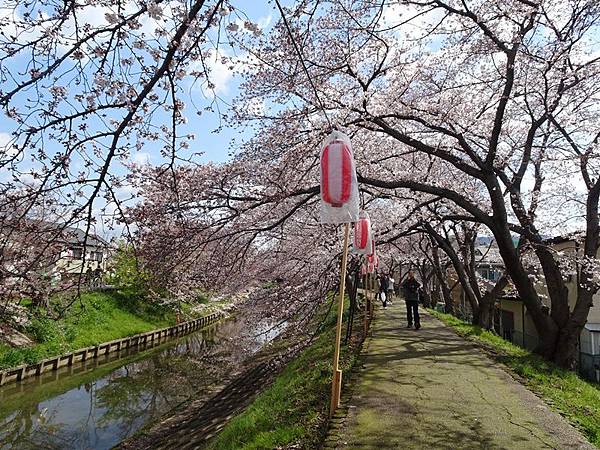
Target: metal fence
527,341
589,366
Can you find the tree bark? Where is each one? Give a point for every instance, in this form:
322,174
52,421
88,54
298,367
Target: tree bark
443,282
488,301
546,328
459,268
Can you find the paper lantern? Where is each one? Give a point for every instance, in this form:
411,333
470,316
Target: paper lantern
372,258
336,173
339,186
371,255
362,234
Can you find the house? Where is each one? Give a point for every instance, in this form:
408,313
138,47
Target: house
488,262
39,258
81,254
515,324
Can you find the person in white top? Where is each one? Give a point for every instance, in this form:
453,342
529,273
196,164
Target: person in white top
390,292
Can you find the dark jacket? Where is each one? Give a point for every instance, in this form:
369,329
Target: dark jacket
384,285
411,290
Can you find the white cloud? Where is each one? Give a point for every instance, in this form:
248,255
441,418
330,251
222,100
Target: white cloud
264,22
4,139
219,73
141,158
7,151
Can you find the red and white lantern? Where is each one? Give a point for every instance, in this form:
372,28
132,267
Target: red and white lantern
362,234
372,254
339,186
363,270
336,173
372,259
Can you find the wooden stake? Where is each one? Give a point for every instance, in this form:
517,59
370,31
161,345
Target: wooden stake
336,385
366,292
372,294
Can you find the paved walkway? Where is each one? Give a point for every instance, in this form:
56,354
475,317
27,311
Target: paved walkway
431,389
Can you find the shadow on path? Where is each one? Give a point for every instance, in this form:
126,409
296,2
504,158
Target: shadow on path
432,389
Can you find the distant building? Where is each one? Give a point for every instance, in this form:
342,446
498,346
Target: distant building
514,322
488,262
82,255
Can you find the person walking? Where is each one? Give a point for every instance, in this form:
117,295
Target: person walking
383,289
411,296
390,291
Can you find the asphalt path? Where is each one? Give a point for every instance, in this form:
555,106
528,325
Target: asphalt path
432,389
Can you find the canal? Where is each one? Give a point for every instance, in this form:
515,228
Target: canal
98,404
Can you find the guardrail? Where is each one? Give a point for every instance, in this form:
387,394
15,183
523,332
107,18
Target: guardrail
151,337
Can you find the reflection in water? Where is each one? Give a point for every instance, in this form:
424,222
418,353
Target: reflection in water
99,407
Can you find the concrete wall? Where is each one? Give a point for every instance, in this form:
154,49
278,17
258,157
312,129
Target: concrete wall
70,265
157,336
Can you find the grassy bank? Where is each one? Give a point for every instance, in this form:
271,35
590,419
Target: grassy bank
100,317
293,411
573,397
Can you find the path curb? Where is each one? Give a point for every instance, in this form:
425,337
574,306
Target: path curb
145,340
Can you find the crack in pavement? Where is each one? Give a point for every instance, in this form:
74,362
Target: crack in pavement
427,389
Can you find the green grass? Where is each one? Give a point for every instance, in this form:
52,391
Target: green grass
101,317
293,412
576,399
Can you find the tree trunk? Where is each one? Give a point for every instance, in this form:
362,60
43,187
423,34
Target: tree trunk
441,276
565,354
546,328
488,301
486,316
459,268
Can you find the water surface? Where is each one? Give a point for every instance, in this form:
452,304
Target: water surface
96,406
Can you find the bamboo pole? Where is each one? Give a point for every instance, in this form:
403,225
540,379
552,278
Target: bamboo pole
373,296
336,385
366,295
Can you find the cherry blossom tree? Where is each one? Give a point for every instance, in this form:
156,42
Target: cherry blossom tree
31,247
504,93
488,106
86,86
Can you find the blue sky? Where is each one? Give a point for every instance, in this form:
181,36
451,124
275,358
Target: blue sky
215,146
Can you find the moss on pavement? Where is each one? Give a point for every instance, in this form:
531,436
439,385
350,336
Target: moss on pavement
433,389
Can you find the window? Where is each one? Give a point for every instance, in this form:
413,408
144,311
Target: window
77,253
489,274
96,256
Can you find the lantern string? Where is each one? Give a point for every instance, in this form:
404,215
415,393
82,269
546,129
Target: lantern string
289,31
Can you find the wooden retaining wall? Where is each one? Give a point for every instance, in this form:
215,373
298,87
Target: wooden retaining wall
29,370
